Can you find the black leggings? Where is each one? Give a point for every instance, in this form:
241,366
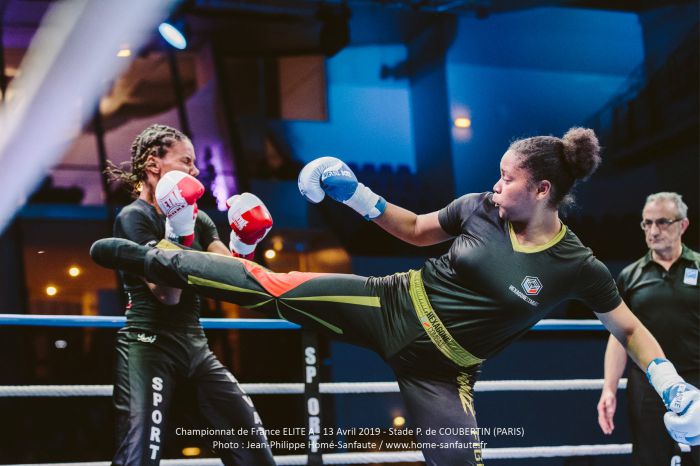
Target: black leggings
150,364
376,313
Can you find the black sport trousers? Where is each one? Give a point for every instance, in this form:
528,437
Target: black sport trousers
150,364
377,313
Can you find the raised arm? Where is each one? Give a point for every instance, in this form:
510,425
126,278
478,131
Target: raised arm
329,175
419,230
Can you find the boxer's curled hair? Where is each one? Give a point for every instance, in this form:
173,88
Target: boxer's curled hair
154,140
561,161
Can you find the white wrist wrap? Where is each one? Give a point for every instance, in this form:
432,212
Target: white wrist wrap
238,246
364,202
662,374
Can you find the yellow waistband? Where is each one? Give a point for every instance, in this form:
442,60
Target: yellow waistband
435,329
168,245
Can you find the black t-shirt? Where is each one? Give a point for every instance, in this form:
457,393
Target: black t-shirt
488,290
141,223
668,304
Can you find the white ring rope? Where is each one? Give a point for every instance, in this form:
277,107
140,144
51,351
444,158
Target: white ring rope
355,388
402,456
337,388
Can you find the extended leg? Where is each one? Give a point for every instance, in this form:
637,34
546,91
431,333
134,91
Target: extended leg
343,305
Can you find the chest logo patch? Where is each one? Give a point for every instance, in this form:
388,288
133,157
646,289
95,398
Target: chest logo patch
691,276
533,285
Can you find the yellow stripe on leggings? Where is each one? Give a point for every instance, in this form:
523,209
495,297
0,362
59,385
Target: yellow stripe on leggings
262,303
372,301
168,245
328,325
465,384
434,327
193,280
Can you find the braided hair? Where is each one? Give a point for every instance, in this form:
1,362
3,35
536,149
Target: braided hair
155,140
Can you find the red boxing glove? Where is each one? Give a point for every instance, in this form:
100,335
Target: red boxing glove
176,195
250,222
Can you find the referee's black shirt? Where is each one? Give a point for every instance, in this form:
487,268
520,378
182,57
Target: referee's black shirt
668,304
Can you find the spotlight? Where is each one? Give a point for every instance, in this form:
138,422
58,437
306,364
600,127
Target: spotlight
270,254
172,36
51,290
74,271
399,421
463,122
60,344
124,52
191,451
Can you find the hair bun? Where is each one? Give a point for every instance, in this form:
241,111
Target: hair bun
581,152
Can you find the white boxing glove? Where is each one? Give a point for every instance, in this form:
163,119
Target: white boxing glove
176,195
329,175
250,222
681,399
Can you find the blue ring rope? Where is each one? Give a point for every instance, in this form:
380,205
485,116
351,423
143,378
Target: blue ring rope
36,320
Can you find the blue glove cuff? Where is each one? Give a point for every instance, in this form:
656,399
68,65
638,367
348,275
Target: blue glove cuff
654,362
377,210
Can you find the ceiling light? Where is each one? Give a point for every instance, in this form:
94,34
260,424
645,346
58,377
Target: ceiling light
74,271
172,36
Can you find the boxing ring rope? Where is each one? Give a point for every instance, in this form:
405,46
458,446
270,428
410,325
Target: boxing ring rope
327,388
282,388
335,388
36,320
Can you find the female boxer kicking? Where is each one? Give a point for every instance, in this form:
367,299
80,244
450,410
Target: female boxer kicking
511,262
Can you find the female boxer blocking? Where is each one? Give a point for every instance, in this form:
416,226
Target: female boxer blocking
511,262
163,345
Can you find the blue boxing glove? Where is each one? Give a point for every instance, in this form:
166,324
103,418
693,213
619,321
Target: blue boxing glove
328,175
681,399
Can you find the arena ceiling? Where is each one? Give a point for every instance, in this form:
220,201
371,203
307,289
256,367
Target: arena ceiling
267,28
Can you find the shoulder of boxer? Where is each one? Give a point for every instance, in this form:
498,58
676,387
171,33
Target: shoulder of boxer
206,229
136,224
454,215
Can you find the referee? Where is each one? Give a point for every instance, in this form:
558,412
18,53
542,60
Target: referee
662,289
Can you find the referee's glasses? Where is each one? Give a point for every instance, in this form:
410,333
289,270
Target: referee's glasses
661,223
